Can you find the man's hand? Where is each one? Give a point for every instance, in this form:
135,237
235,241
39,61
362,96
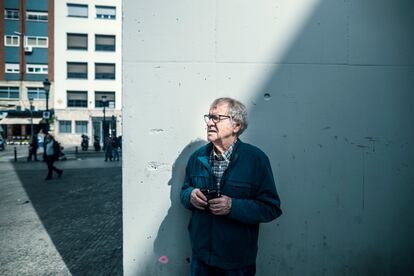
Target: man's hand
220,206
198,199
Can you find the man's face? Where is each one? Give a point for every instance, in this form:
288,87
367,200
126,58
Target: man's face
224,130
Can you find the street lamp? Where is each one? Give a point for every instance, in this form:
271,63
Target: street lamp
103,99
113,126
31,116
46,87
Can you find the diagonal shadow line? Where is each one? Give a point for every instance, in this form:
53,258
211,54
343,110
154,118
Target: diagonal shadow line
82,214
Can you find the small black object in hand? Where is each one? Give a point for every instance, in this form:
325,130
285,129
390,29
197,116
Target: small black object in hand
210,194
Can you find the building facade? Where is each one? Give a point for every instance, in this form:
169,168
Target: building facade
26,60
87,97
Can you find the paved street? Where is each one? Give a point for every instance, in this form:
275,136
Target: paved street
66,226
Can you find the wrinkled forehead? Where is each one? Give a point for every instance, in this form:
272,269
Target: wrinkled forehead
220,108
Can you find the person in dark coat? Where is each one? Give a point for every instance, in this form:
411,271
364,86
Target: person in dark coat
108,149
115,146
230,189
51,151
34,145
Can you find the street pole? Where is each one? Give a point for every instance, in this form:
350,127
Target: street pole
31,117
47,100
46,86
104,122
113,125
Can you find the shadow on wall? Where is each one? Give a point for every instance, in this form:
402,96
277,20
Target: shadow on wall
82,214
172,250
340,140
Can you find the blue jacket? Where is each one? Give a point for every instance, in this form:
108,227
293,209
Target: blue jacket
230,242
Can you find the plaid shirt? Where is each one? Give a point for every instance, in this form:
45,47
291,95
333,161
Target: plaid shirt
220,162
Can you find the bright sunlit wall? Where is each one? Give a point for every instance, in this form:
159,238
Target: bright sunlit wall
327,84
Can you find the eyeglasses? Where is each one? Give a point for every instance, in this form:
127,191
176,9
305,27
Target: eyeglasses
215,118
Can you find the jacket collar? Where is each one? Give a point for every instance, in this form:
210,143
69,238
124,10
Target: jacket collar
205,154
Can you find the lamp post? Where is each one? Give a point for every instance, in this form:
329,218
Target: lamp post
113,126
103,99
31,117
46,87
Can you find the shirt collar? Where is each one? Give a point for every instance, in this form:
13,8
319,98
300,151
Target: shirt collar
226,154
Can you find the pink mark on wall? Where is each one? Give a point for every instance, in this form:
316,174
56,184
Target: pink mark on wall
163,260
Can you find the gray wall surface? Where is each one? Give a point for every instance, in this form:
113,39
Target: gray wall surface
329,88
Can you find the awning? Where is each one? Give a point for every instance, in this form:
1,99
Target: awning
19,121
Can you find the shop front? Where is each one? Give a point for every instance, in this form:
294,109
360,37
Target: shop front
19,130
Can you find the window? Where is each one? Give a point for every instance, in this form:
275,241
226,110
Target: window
36,41
9,92
36,16
77,41
77,70
81,127
105,12
75,10
11,14
12,40
36,93
104,43
13,68
104,71
77,98
110,99
65,126
36,68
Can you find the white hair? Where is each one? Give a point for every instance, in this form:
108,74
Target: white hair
237,112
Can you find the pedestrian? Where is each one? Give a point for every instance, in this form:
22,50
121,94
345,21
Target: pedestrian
115,146
230,189
51,152
108,149
119,138
33,146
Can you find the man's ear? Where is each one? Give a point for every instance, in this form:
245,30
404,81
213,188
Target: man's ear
236,128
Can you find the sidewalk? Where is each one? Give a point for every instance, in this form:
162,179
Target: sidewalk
66,226
70,153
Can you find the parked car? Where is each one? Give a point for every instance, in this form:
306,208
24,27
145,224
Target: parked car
2,144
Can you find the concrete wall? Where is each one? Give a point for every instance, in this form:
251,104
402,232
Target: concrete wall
329,88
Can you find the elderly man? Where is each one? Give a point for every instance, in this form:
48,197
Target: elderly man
229,188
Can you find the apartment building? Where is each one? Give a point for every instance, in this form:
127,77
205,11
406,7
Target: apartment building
26,60
88,80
